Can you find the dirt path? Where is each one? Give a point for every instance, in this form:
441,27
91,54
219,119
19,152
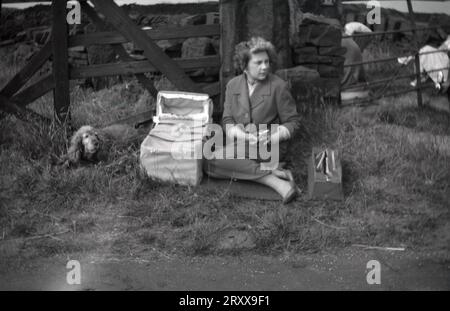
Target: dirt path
340,270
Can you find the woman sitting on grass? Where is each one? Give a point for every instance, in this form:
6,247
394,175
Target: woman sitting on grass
257,97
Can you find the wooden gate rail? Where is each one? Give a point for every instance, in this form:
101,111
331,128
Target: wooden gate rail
140,66
163,33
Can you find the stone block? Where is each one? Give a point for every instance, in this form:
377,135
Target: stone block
171,47
311,19
319,35
319,59
199,19
329,71
332,50
197,47
306,50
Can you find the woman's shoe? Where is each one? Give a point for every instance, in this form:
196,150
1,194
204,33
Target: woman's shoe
287,175
292,181
290,196
280,173
295,190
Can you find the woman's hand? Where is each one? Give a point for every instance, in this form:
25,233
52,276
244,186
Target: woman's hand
252,139
264,137
238,132
281,134
273,139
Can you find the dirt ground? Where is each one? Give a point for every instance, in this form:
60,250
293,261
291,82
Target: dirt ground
344,269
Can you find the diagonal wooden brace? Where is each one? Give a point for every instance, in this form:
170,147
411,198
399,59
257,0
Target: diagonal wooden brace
32,92
119,49
117,17
24,114
28,70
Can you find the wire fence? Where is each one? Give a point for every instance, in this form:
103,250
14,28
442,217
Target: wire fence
389,82
387,59
382,33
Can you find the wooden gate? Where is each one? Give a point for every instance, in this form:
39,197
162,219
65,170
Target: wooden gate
15,102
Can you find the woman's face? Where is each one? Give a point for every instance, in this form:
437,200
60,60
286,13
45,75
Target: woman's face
258,66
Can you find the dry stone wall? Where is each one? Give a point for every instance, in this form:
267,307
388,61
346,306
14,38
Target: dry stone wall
317,58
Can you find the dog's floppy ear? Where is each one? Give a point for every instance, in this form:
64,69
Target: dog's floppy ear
75,150
101,155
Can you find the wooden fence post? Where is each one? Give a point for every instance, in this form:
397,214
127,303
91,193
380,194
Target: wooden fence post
228,39
61,93
417,57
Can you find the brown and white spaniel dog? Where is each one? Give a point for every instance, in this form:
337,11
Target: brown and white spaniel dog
92,145
85,145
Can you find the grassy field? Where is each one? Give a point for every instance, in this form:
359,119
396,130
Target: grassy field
396,168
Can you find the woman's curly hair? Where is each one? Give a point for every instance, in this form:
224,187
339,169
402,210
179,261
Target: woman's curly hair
244,50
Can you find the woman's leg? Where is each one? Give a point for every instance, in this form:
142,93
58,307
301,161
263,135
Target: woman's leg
238,168
247,169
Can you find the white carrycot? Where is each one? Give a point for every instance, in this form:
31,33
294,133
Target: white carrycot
173,150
